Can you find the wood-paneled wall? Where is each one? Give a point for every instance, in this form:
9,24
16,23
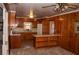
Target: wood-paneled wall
65,26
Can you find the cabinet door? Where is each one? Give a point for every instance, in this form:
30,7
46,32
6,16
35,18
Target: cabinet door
64,42
45,27
52,41
15,42
72,43
41,44
12,18
77,45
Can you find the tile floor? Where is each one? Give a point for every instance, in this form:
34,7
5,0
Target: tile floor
28,49
40,51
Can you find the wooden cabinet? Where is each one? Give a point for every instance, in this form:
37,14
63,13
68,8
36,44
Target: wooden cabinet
26,36
15,42
77,45
52,41
46,41
41,44
12,16
41,41
45,27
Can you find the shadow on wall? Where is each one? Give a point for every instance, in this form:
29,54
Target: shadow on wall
1,29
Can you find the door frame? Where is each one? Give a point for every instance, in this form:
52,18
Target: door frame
5,48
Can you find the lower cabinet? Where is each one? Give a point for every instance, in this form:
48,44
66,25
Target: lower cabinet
70,43
52,41
77,45
45,41
41,44
15,42
26,36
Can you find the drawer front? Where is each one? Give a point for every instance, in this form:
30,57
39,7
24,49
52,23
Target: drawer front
52,43
52,38
41,39
41,44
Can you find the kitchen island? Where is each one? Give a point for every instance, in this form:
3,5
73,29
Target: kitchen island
46,40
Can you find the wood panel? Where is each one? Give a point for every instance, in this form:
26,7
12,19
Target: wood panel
45,41
12,16
20,22
68,40
45,26
15,42
26,36
52,41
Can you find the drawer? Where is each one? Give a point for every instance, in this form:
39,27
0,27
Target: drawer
41,44
41,39
52,43
52,38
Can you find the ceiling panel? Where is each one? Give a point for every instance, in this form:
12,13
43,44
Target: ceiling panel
22,9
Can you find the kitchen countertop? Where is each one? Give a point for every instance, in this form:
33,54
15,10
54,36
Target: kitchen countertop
19,30
46,35
15,34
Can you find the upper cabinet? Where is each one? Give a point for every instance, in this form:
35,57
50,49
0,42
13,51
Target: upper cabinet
45,26
12,16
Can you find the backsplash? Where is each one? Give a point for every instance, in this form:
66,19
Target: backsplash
23,30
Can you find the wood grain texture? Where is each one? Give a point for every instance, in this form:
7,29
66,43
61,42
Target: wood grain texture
69,39
12,16
15,42
45,41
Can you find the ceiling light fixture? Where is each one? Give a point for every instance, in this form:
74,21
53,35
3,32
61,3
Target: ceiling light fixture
31,14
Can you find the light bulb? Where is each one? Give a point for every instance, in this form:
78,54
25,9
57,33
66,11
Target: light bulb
31,15
66,7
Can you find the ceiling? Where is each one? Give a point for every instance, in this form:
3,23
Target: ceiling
22,9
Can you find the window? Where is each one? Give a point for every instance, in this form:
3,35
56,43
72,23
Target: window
27,25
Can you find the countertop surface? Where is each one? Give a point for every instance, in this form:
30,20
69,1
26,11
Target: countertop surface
47,35
15,34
